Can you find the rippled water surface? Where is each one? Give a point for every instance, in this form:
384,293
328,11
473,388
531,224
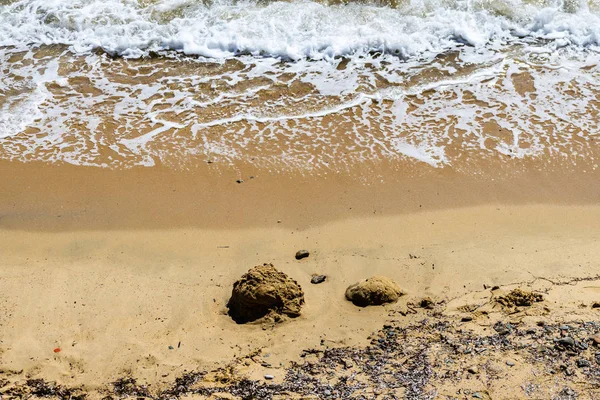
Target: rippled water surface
298,84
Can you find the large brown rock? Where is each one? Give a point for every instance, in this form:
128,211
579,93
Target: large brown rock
264,291
373,291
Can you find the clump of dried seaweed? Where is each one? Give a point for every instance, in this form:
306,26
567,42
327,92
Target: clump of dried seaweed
519,298
401,362
42,388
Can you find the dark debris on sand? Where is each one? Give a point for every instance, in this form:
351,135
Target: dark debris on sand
128,387
41,388
400,362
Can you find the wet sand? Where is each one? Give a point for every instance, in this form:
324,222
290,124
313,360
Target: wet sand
113,267
42,197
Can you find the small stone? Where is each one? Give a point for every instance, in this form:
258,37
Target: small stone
582,363
473,370
566,341
510,363
171,347
300,254
596,305
240,181
581,345
269,377
477,395
427,303
567,392
466,318
564,327
596,339
541,349
327,392
316,279
502,329
495,287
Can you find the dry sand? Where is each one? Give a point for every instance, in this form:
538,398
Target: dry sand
113,267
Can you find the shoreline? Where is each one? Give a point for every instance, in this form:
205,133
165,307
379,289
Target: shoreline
156,152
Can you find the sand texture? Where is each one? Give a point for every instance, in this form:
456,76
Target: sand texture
140,309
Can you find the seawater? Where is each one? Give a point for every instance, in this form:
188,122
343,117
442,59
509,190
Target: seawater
299,85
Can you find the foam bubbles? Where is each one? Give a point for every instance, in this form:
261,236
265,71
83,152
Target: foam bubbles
292,30
297,84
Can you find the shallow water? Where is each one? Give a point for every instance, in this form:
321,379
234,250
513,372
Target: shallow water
299,85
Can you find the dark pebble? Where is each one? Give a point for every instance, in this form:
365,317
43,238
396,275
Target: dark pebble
473,370
502,329
318,279
582,363
566,341
427,302
300,254
581,345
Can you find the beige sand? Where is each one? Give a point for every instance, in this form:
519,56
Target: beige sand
114,267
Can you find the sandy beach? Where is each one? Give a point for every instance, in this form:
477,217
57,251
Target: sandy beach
128,273
300,199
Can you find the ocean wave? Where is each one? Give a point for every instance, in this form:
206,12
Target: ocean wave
367,82
294,30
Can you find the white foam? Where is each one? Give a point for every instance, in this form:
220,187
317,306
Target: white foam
293,30
407,100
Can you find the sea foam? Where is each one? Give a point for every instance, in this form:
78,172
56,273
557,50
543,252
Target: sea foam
298,84
292,30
